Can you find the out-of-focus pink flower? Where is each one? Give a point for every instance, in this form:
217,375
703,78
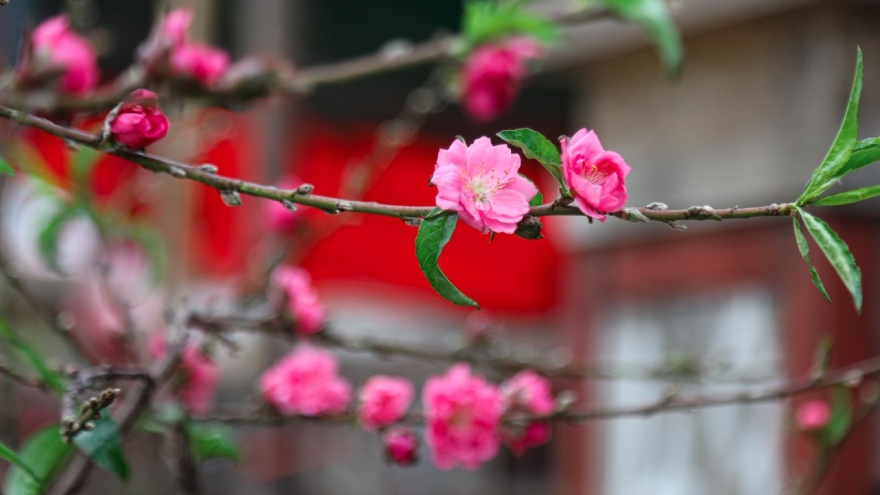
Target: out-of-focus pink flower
199,375
813,415
306,382
384,400
202,63
596,176
530,393
97,323
293,287
401,445
140,121
55,42
174,26
481,183
462,418
492,73
279,219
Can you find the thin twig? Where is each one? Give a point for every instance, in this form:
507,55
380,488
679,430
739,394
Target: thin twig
72,420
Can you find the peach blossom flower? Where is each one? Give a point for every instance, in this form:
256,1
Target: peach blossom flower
63,48
813,415
140,121
199,379
306,382
527,392
293,287
481,183
596,176
384,400
462,418
491,76
400,445
202,63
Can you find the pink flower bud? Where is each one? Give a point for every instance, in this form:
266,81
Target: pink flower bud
199,62
307,383
491,76
55,44
199,375
595,176
293,287
174,26
481,183
383,401
401,445
139,121
530,393
812,415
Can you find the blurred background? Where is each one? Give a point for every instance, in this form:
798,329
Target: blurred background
719,306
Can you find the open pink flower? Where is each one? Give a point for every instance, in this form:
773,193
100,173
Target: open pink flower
481,183
60,46
491,76
306,382
293,286
140,121
199,379
812,415
462,418
202,63
384,400
401,445
530,393
595,176
280,220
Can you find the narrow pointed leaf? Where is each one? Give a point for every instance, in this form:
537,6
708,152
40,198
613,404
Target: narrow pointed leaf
537,147
804,248
848,197
838,255
47,241
653,16
102,445
45,453
832,167
10,455
433,235
864,153
212,440
840,421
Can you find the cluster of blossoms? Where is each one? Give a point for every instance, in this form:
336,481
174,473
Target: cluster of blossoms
481,182
57,53
292,292
491,76
169,51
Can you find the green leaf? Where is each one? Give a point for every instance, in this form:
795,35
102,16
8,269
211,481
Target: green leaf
433,234
6,168
804,248
848,197
45,453
103,446
50,378
838,255
212,440
537,147
865,152
10,455
841,418
488,20
47,242
654,17
834,165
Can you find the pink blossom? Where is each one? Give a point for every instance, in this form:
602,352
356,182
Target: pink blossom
384,400
530,393
280,219
594,175
293,287
199,62
54,41
199,375
175,25
400,445
491,76
306,382
813,415
462,418
481,183
140,121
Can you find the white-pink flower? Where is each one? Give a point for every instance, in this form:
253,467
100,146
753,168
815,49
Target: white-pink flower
306,382
293,286
482,184
462,418
530,393
383,401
